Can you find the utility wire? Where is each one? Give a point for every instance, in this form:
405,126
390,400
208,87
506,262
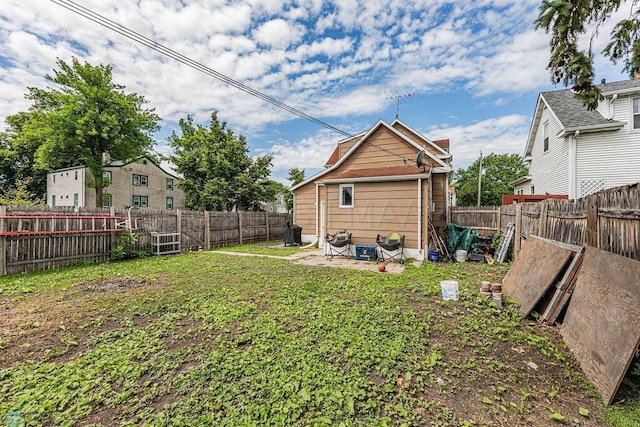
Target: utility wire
152,44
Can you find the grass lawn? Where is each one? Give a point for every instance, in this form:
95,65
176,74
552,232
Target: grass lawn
212,339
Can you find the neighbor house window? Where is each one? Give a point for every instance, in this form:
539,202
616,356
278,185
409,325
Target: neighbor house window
169,183
533,190
545,136
169,202
107,177
54,178
107,200
142,180
76,178
346,195
519,191
636,113
140,201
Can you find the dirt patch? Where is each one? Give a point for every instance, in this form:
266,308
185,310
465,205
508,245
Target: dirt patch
54,324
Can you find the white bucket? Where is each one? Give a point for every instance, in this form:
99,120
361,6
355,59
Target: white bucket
461,256
449,290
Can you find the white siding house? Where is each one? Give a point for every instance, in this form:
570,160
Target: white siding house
585,151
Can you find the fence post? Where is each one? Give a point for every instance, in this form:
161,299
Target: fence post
542,227
207,231
499,219
267,216
516,234
239,227
592,220
3,243
179,223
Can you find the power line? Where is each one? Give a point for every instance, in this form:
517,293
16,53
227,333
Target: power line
152,44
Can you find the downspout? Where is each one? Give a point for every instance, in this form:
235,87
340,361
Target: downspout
573,150
317,208
420,214
611,107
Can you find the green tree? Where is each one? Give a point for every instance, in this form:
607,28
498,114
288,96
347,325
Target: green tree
296,176
218,173
18,146
85,115
20,195
499,171
568,21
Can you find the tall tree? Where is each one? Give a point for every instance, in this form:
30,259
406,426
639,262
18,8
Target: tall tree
18,146
568,21
499,171
296,176
218,173
85,115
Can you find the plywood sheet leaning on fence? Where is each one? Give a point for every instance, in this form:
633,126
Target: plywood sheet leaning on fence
535,270
602,323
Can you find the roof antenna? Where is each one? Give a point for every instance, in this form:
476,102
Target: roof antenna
398,95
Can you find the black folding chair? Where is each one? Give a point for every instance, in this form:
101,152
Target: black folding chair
339,244
390,244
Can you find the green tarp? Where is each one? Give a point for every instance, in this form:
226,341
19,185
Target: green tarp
459,237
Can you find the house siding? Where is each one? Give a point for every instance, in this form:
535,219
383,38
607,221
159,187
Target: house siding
65,186
379,208
382,149
304,209
550,169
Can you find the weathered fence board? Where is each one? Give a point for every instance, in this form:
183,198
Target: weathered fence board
614,227
39,238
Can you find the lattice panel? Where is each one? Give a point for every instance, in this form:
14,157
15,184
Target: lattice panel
591,186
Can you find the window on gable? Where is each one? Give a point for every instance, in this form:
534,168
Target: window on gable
142,180
346,195
545,136
636,113
169,183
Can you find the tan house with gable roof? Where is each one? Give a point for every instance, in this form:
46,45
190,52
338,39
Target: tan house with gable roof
371,185
140,182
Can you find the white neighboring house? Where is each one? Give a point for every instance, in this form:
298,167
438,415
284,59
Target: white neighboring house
576,152
279,205
140,182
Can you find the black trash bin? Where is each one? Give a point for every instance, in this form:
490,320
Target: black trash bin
292,235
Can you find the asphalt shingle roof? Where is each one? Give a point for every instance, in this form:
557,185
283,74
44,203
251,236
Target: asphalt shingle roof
570,111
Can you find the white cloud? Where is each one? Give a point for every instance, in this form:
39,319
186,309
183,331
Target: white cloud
278,33
506,134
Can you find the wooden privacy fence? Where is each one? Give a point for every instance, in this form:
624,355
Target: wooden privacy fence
608,220
39,238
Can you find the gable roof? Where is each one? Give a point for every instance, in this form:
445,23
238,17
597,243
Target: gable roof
572,115
440,164
444,154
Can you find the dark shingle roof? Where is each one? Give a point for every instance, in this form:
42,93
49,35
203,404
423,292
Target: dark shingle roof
570,111
572,114
621,85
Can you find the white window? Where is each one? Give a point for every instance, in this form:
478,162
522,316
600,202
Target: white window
346,195
106,177
545,136
140,201
169,203
107,200
140,180
519,191
169,183
636,113
532,190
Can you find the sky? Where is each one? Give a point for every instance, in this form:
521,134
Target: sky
466,70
